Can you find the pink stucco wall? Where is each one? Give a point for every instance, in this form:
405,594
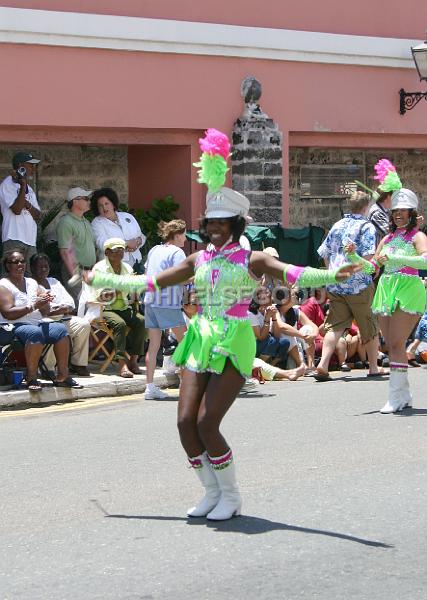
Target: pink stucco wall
70,87
93,96
386,19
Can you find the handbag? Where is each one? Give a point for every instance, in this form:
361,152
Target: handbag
7,333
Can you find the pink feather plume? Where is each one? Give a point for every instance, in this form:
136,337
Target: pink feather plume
382,168
215,142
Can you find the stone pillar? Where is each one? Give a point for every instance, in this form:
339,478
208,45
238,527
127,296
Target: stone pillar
256,161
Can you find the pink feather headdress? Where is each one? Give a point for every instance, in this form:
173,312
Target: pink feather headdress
387,176
215,147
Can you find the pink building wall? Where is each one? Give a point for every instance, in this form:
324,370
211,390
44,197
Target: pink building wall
84,95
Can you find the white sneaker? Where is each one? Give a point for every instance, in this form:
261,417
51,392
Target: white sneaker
250,385
155,393
169,367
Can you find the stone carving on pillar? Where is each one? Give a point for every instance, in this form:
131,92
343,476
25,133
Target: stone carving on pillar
256,160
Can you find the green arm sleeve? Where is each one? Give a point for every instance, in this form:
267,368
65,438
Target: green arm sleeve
416,262
126,283
316,277
367,266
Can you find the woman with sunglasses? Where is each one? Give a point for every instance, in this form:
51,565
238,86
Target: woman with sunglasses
24,304
217,352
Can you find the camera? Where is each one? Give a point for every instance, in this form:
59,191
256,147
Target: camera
21,172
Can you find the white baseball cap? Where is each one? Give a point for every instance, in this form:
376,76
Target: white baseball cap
77,192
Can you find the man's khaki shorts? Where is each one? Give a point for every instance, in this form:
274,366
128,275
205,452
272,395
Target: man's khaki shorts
357,307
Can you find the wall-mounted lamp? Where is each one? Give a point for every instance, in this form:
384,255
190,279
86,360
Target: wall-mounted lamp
410,99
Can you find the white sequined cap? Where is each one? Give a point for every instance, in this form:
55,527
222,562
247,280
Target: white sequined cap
226,203
404,198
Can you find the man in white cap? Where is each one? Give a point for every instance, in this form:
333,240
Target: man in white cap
120,311
19,207
75,238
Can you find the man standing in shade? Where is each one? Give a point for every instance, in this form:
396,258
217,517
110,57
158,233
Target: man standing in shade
19,207
75,238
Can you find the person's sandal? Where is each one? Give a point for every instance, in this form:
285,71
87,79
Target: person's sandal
344,367
379,373
34,385
126,373
413,362
68,383
321,376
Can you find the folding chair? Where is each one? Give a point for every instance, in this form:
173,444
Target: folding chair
14,345
101,334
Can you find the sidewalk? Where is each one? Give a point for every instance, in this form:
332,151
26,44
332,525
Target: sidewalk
97,386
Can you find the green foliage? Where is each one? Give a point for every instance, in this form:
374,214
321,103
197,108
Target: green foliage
49,247
46,220
163,209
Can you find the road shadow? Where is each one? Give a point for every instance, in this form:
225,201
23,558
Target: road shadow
406,412
412,412
246,524
255,395
349,379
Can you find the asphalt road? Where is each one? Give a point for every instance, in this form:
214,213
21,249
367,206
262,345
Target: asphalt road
93,500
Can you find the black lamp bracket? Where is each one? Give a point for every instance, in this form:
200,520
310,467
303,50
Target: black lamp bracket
410,99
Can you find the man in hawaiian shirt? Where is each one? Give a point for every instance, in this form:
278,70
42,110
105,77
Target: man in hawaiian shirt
352,299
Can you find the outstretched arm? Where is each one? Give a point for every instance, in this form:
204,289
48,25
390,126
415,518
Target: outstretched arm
141,283
368,266
260,263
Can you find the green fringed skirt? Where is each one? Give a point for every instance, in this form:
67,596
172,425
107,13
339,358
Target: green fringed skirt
208,343
397,290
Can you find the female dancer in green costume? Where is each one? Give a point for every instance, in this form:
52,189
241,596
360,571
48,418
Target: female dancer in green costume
218,348
400,297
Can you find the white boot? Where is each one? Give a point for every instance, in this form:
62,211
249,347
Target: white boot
230,503
203,469
407,396
397,398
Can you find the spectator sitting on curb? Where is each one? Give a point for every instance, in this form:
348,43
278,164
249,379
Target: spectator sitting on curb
264,371
19,207
267,280
294,324
314,309
62,305
263,317
75,238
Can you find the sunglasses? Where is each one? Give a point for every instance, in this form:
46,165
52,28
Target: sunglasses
17,261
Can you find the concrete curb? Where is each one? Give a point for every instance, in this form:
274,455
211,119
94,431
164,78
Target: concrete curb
92,389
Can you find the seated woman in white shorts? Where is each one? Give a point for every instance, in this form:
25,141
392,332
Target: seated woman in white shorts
163,307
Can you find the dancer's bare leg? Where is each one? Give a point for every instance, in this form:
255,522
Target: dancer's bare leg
193,386
221,391
396,330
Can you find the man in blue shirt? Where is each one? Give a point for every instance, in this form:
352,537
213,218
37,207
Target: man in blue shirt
352,299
